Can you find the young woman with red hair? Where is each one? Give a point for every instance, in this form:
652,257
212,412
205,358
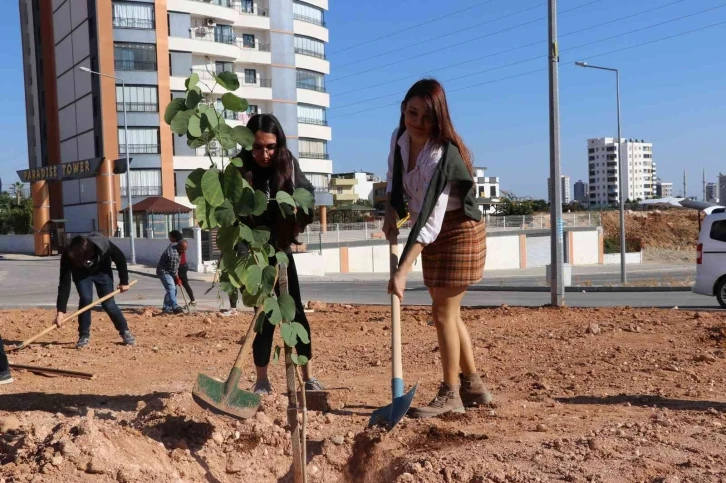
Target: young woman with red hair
431,166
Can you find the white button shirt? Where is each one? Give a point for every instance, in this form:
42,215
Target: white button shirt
416,182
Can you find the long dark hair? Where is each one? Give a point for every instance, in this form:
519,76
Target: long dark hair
442,129
282,160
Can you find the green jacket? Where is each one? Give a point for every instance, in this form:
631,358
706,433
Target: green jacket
451,167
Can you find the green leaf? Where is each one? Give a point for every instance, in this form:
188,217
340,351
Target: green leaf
301,332
174,107
225,214
195,126
288,335
205,215
191,81
180,122
272,310
227,288
260,203
247,203
269,250
283,197
294,358
228,80
243,136
193,186
224,135
304,199
253,300
261,258
287,306
269,276
301,360
200,141
234,184
251,278
276,356
234,103
245,232
226,238
261,236
282,258
212,187
237,162
193,98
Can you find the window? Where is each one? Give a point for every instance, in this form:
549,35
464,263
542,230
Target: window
137,98
492,191
223,67
308,46
308,13
141,57
248,6
253,109
224,34
248,41
307,79
307,114
313,148
142,140
133,15
250,76
144,182
319,181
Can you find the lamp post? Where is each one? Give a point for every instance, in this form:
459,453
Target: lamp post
621,174
128,164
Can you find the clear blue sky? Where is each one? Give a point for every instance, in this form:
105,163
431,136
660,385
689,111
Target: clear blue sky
672,91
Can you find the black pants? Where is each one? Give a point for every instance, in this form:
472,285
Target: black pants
3,357
104,286
262,345
183,275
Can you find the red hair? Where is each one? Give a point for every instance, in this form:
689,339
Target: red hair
442,129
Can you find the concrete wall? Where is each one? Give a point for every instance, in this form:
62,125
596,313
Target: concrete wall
149,250
614,258
17,244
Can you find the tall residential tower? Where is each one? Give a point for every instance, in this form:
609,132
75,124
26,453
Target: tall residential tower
602,155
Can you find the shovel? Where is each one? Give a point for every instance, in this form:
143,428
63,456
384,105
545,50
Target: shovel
186,302
45,331
224,397
393,413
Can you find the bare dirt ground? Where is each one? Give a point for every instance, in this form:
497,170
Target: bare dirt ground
586,395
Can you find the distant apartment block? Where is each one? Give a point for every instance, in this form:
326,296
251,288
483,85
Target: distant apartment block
602,162
565,187
722,188
663,189
712,193
582,195
354,186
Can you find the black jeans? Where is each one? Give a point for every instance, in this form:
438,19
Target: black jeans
3,357
104,286
183,275
262,345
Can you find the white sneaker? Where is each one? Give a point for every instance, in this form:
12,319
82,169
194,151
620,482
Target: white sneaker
229,313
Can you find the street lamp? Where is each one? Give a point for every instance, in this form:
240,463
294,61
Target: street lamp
621,176
128,163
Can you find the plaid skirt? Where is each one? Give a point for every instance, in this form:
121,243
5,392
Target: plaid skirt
456,257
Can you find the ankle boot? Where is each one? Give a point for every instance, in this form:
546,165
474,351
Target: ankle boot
473,392
447,400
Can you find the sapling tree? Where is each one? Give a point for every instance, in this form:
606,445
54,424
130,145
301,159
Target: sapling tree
223,199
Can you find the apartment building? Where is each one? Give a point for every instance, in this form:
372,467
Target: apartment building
712,193
362,187
276,47
640,170
565,188
581,195
663,189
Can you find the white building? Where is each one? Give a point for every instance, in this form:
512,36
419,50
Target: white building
582,195
564,185
663,189
712,193
487,190
603,170
357,183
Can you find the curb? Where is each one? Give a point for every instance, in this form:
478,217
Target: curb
575,288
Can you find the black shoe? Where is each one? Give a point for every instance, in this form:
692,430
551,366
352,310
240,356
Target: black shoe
128,338
5,377
178,311
83,341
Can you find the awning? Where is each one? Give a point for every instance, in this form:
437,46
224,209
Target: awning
158,204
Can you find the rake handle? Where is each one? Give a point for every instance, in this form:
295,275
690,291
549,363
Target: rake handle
66,319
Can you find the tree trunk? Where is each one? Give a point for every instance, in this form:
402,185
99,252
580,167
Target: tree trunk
298,459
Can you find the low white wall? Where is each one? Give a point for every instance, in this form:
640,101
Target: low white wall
149,250
502,252
17,244
630,258
311,263
585,250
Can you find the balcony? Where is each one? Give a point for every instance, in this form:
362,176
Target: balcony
141,190
135,65
310,53
259,89
222,46
133,23
233,12
314,155
139,148
345,197
316,63
308,27
342,182
311,20
310,87
315,95
138,107
314,131
316,122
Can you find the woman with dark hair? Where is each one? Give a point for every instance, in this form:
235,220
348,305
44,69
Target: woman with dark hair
431,166
270,167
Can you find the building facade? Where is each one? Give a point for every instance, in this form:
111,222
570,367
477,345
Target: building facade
663,189
363,188
581,193
712,193
603,169
564,186
276,48
722,188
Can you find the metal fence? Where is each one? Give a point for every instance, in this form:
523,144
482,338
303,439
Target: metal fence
541,221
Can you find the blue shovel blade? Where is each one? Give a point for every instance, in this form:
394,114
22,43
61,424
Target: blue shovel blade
391,414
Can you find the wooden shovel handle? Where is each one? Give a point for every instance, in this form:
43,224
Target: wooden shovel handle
397,362
246,346
66,319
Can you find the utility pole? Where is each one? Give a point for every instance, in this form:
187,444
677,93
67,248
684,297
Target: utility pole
556,225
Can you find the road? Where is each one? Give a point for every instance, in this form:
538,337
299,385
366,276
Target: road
33,282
